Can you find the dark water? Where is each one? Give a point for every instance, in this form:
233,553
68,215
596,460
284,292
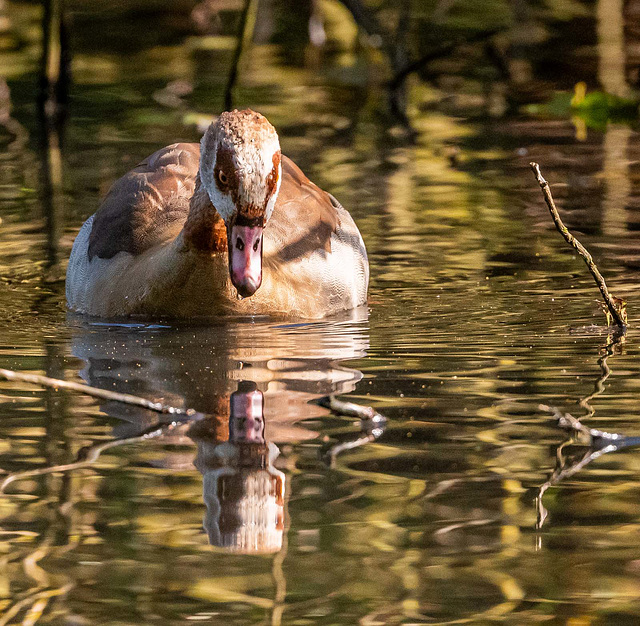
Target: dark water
478,314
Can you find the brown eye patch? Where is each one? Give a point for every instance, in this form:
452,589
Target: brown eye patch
225,174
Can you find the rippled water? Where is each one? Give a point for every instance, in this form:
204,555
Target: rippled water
478,314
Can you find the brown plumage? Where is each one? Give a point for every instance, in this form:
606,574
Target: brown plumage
158,246
146,205
150,205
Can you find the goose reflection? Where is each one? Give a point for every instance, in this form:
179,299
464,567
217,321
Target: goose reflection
243,492
254,382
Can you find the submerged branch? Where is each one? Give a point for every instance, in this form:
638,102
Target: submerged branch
95,392
598,443
372,424
616,307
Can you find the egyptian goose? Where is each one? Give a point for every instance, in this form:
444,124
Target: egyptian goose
229,226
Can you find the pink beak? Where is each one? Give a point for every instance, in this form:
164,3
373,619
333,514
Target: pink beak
245,258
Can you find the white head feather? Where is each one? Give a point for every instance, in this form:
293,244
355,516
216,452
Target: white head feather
247,143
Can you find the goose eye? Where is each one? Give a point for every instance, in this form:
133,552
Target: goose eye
222,177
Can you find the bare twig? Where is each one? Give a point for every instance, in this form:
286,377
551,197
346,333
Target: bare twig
95,392
616,307
598,443
372,424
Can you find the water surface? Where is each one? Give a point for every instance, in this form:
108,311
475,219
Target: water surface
478,314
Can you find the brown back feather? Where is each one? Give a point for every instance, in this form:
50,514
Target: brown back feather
148,205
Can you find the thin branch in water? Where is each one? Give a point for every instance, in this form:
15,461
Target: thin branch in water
245,34
615,307
102,394
591,437
598,443
372,424
92,454
369,417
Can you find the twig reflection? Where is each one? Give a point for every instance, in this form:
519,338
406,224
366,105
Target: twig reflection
614,344
89,456
597,442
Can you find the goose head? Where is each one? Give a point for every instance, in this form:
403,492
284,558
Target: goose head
240,170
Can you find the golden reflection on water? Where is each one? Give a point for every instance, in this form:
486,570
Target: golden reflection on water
475,319
255,381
